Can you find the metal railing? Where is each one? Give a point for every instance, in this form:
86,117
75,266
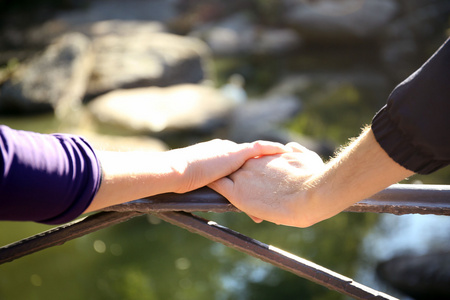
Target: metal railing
177,208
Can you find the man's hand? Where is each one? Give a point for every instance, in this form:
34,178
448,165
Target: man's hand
297,189
273,187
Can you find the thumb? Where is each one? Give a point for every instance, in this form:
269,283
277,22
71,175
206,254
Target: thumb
296,147
223,186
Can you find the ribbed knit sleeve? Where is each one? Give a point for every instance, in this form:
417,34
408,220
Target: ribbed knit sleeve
46,178
414,126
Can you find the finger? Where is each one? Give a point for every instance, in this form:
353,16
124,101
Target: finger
296,147
260,148
223,186
255,219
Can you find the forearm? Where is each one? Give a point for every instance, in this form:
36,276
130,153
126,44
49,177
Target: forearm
129,176
45,178
362,169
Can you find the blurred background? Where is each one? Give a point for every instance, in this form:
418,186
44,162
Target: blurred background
153,74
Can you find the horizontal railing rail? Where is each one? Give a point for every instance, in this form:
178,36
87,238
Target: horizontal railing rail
175,208
398,199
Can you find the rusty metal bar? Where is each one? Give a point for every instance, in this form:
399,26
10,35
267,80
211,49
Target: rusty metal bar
60,235
203,199
397,199
400,199
272,255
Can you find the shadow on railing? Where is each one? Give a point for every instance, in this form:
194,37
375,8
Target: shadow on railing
176,209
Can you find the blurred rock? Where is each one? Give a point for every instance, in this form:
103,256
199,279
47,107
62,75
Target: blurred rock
263,119
276,41
122,28
155,109
344,20
316,82
234,89
132,60
194,13
81,18
418,276
140,10
54,80
402,47
239,34
257,118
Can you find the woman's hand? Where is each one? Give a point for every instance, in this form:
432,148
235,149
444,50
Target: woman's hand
129,176
203,163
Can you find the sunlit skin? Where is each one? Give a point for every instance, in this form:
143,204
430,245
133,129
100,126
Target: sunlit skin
297,189
129,176
288,185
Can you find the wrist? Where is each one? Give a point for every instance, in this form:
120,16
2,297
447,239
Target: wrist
359,171
180,170
311,198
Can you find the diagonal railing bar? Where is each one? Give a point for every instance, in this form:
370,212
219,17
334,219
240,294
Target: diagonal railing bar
272,255
60,235
397,199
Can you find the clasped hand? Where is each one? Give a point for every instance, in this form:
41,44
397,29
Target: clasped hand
275,187
266,178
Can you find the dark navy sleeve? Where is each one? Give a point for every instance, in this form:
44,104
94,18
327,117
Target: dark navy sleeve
46,178
414,126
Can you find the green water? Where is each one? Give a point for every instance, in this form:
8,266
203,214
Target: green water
146,258
149,259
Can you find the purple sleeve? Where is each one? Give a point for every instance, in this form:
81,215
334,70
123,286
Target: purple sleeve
45,178
414,126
